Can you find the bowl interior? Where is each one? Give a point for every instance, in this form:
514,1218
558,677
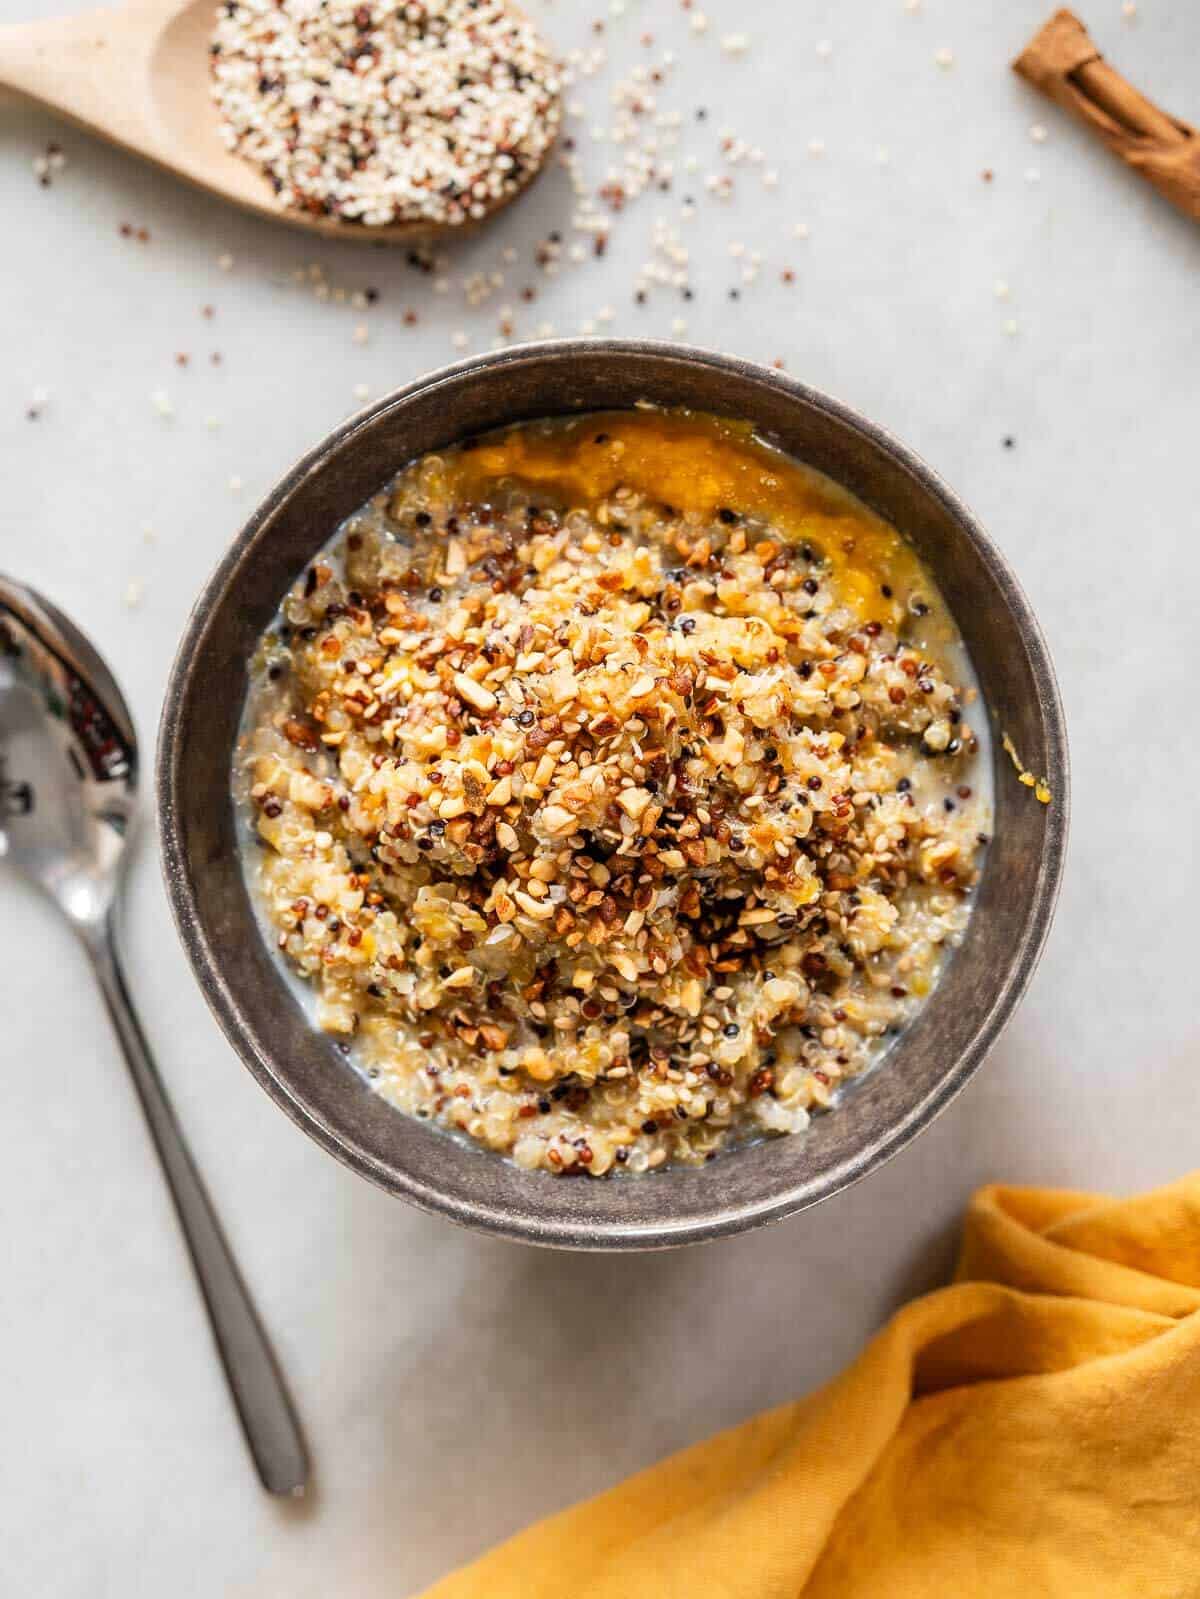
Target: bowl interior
302,1069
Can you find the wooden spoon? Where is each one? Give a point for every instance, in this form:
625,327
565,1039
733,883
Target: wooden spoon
140,77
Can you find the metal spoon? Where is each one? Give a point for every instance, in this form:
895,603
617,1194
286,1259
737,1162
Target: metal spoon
139,76
68,777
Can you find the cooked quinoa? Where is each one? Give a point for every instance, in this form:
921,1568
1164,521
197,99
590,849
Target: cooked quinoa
615,789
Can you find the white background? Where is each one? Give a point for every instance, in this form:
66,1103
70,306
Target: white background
454,1388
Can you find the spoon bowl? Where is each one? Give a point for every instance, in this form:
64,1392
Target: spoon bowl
68,784
68,759
139,77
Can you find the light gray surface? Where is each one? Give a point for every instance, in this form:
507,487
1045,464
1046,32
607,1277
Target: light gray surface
455,1388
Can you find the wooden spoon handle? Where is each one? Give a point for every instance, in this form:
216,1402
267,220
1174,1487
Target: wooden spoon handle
84,67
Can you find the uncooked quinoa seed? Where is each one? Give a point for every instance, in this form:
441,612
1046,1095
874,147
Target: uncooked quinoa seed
376,112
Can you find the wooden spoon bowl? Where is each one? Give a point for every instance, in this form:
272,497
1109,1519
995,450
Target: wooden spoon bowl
140,78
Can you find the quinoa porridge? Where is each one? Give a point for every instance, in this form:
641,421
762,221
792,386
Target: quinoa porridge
615,789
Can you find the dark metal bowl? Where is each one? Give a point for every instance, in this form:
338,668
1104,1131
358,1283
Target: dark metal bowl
300,1068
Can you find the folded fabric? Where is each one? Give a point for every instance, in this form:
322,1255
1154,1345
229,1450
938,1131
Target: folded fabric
1032,1430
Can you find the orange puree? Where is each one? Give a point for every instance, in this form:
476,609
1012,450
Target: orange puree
700,464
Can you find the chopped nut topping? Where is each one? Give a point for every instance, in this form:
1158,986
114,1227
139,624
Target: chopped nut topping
637,841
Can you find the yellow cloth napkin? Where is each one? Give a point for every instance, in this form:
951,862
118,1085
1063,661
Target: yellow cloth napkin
1032,1431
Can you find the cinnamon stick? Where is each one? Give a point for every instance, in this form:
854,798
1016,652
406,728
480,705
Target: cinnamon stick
1062,62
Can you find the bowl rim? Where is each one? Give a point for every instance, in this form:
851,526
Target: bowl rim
725,1218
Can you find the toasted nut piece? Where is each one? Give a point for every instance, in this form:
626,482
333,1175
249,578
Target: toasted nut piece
474,693
300,734
541,910
557,819
633,801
